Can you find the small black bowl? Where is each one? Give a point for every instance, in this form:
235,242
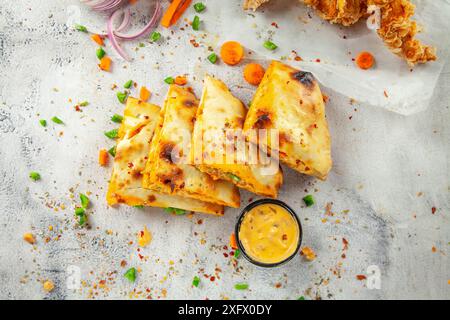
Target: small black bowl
238,226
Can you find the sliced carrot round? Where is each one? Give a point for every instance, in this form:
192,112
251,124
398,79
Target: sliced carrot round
232,53
365,60
254,73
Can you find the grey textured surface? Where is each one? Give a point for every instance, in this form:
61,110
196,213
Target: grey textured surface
389,171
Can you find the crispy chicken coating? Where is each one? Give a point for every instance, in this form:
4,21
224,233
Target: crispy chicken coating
397,30
253,4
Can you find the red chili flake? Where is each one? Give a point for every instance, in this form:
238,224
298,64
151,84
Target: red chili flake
225,248
77,108
123,263
212,278
274,24
284,237
317,60
140,256
225,255
231,253
278,285
385,94
433,210
361,277
200,221
194,43
345,242
130,165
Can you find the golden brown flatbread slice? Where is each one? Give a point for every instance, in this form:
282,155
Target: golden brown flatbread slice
290,101
133,146
169,169
219,144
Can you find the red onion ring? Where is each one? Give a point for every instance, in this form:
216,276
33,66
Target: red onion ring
112,37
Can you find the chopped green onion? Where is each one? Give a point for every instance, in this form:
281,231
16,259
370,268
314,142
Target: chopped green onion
178,212
79,211
84,201
212,58
81,28
82,220
141,44
199,7
35,176
301,298
112,134
84,104
241,286
139,206
234,177
57,120
122,96
196,23
112,151
309,200
128,84
155,36
100,53
130,274
43,122
196,281
117,118
237,253
269,45
169,80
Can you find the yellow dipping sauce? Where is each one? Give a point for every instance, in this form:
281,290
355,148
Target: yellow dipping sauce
269,233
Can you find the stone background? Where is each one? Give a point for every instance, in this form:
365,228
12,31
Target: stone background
389,172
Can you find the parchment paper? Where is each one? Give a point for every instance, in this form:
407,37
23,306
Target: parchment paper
299,28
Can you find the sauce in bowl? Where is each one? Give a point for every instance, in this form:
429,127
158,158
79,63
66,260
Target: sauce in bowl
268,233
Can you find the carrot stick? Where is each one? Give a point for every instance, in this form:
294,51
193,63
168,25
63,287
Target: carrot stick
103,157
144,94
167,19
233,242
105,64
253,73
180,80
98,39
365,60
232,53
180,12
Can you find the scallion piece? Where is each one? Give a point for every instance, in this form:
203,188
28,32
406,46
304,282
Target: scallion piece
196,281
35,176
112,151
84,104
122,96
138,206
196,23
81,28
100,53
269,45
57,120
112,134
199,7
212,58
117,118
79,211
169,80
128,84
237,253
84,201
301,298
241,286
155,36
43,122
234,177
309,200
178,212
130,274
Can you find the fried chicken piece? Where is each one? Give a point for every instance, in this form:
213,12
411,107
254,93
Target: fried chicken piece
253,4
398,31
345,12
